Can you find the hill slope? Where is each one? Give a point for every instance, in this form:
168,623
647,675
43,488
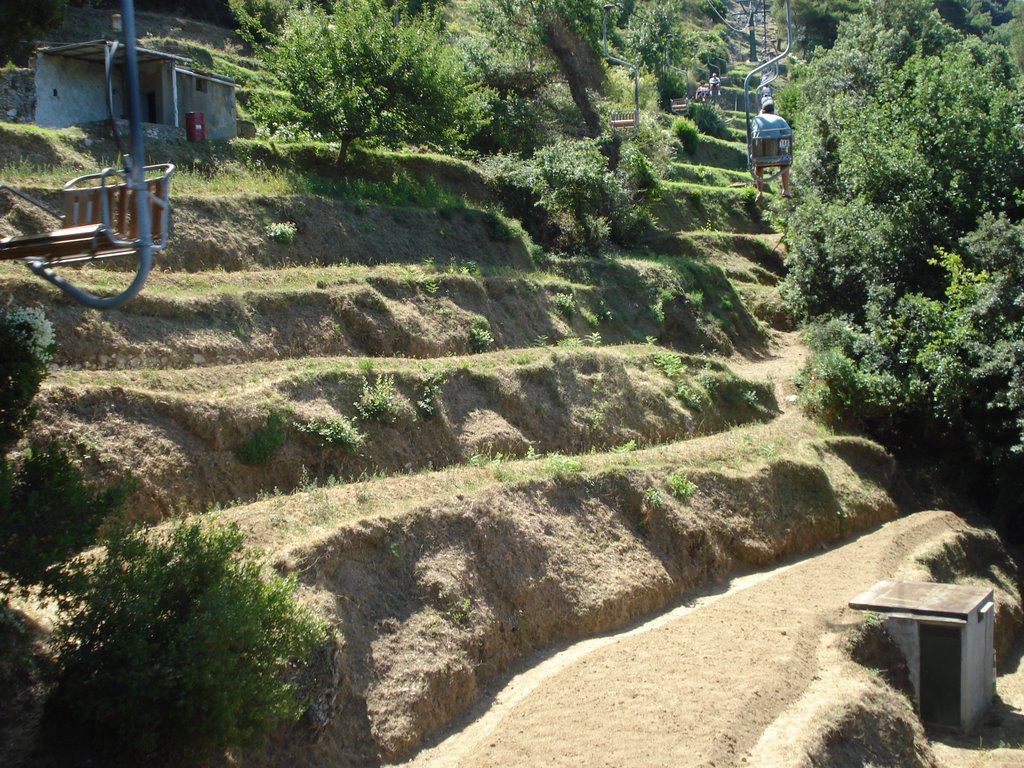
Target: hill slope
465,448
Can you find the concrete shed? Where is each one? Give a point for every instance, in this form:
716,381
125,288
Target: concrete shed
945,632
71,88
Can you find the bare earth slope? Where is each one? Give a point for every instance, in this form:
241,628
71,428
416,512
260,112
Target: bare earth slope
699,686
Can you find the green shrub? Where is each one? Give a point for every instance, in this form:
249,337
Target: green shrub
680,486
480,338
377,400
48,512
267,440
260,21
430,390
836,391
568,199
685,130
709,119
638,172
564,303
282,231
173,646
562,467
26,348
339,432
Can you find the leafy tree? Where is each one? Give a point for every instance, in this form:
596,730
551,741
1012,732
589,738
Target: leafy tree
357,75
906,234
48,513
260,21
816,22
517,113
172,646
566,33
27,346
26,22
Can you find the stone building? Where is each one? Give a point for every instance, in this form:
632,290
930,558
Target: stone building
69,86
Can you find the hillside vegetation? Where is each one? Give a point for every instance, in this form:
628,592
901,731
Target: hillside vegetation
467,382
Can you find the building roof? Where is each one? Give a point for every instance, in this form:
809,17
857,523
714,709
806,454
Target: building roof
950,601
96,50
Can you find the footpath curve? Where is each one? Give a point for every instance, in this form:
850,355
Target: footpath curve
697,686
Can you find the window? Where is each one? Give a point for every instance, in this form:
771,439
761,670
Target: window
201,85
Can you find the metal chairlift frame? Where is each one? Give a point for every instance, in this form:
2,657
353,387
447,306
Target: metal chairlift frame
745,11
769,78
766,65
104,189
676,106
620,116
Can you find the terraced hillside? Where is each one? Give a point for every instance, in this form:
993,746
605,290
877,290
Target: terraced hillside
467,449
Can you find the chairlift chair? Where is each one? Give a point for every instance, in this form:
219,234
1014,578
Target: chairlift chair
113,213
676,106
622,119
768,152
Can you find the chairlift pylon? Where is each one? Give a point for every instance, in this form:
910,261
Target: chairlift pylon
622,119
109,214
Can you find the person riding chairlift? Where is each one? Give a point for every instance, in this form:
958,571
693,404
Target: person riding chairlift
703,92
769,125
716,85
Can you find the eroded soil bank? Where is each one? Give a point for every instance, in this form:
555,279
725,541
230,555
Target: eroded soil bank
432,603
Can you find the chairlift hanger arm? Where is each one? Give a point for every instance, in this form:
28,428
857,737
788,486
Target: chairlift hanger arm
632,67
743,13
761,68
98,238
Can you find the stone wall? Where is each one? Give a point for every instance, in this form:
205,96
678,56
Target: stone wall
17,95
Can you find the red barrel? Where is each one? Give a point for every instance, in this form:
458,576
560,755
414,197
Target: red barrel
195,126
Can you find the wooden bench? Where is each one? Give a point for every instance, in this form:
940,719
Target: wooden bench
625,120
99,219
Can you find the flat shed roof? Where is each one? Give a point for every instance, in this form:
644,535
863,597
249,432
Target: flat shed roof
951,601
96,50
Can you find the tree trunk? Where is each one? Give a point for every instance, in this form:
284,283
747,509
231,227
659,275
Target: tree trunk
579,65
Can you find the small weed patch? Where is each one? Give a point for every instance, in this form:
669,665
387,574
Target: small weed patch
377,401
267,440
480,338
680,486
339,432
282,231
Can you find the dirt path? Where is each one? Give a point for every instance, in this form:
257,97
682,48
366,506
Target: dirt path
697,686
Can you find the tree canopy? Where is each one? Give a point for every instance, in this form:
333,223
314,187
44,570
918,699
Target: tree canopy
907,236
357,74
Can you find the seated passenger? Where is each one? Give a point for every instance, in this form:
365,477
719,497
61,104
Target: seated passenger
716,83
768,125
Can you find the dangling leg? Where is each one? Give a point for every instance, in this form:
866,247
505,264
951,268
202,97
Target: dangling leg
759,181
785,182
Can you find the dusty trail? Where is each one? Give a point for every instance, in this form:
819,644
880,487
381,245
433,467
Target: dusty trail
695,687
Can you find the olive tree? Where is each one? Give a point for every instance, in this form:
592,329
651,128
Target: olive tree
359,75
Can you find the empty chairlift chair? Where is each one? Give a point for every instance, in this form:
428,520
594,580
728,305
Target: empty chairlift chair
676,106
622,119
99,219
113,213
